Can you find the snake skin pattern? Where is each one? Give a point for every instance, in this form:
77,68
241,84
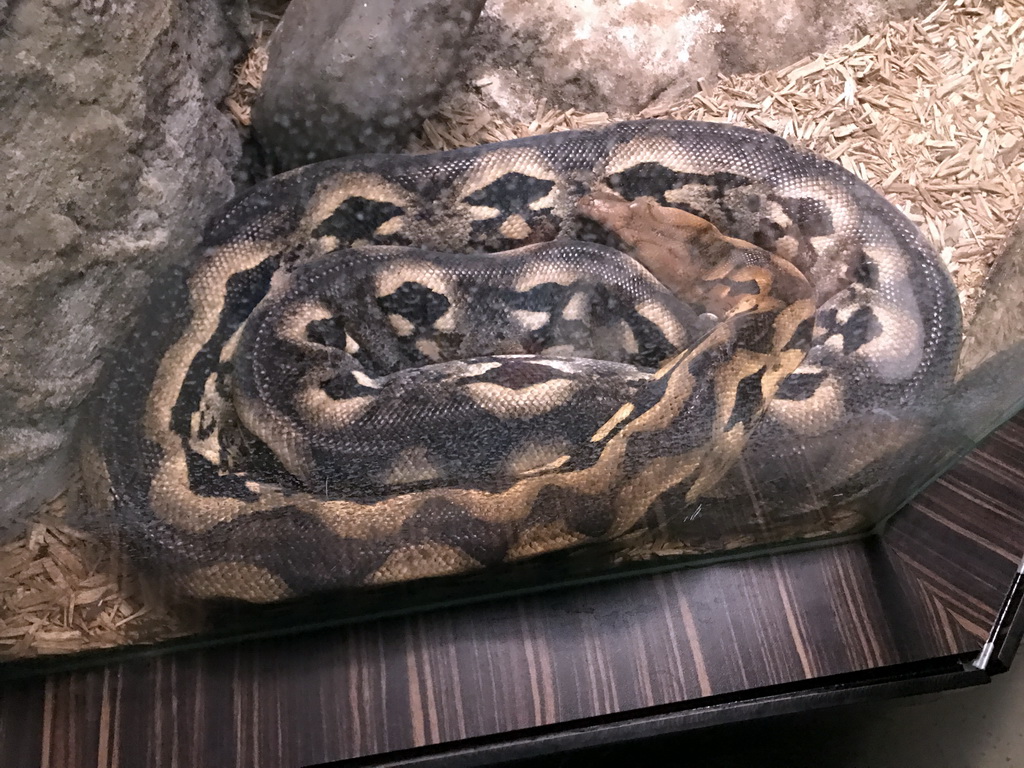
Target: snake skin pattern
385,368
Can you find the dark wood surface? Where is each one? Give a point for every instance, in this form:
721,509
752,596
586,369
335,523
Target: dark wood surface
929,587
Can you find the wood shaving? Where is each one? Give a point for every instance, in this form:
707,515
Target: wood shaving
245,85
929,111
64,590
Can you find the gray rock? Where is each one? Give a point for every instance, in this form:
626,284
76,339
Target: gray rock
617,56
351,77
113,154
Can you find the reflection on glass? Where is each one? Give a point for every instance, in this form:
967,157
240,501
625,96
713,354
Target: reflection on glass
420,379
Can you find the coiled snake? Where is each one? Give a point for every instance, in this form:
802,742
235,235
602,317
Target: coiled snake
384,368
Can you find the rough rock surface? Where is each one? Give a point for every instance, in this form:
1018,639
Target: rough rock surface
113,154
617,55
352,76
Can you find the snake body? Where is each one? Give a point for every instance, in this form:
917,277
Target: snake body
385,368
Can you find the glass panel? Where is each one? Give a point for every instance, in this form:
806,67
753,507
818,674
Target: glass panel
520,354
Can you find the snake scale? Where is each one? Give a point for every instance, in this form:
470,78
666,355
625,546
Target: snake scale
385,368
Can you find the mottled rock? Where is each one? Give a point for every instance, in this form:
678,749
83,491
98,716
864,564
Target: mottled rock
113,154
351,77
617,56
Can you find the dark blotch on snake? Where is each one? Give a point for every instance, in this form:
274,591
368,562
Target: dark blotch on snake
243,292
756,332
812,217
801,337
447,523
204,479
416,303
590,515
744,287
357,218
545,297
329,332
749,399
511,194
344,386
640,179
518,374
859,329
800,386
866,271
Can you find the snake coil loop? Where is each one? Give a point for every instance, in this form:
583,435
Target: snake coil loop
385,368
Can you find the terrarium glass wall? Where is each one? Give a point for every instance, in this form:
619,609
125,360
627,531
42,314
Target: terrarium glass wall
519,349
